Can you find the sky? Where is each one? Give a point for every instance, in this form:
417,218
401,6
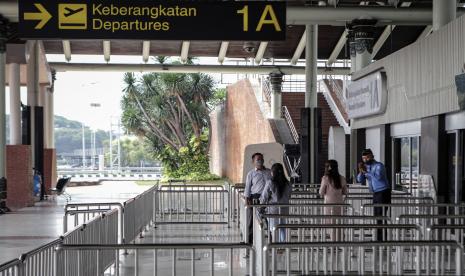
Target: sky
76,91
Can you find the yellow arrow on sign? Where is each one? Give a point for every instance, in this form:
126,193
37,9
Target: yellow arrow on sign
43,15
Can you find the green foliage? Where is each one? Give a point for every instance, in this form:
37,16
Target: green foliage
68,135
219,97
172,112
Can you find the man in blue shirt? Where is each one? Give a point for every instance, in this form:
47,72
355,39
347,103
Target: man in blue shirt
374,173
254,185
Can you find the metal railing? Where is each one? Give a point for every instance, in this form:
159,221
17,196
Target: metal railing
287,117
80,213
345,232
192,204
138,213
100,230
174,249
266,89
388,257
11,268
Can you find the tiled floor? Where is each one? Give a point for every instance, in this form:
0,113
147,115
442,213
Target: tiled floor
28,228
188,234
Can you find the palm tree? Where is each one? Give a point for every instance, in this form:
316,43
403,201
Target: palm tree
169,109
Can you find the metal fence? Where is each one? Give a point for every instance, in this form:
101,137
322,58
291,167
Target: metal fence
138,213
192,204
360,258
174,249
100,230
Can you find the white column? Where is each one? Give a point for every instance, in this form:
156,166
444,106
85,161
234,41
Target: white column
51,119
48,119
276,80
311,60
2,107
15,104
276,103
41,96
444,11
32,89
362,60
311,100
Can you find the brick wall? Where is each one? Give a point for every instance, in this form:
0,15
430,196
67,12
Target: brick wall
50,169
296,101
244,125
19,176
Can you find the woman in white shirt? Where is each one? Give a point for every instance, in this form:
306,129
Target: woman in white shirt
277,191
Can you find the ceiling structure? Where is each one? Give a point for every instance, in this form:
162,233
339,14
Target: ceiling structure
332,43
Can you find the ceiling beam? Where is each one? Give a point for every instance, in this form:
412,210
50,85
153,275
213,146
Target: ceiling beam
67,49
260,52
425,32
384,15
106,50
185,51
300,49
386,33
223,51
382,39
338,48
192,68
145,51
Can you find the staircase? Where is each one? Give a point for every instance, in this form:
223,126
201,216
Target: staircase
333,92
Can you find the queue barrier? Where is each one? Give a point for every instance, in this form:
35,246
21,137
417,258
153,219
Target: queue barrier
174,249
361,258
192,204
346,232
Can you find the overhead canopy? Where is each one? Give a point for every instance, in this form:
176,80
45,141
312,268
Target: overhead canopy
331,38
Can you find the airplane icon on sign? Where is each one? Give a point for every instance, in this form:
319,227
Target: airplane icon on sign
72,16
70,12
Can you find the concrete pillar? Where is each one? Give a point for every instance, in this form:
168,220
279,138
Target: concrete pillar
276,80
311,66
4,31
361,41
41,95
48,119
310,115
32,90
444,11
15,104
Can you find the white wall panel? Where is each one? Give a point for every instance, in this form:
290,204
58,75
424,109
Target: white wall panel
421,77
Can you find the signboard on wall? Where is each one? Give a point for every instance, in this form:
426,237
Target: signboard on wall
152,20
366,96
460,83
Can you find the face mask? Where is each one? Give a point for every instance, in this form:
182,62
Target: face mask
259,163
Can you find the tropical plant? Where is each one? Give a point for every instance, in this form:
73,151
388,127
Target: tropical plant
172,112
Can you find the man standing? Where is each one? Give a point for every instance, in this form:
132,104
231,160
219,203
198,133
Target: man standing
374,173
254,185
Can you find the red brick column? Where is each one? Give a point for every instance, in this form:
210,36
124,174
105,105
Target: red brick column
19,176
50,169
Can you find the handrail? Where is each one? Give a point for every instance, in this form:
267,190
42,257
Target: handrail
9,265
152,246
362,243
266,90
287,116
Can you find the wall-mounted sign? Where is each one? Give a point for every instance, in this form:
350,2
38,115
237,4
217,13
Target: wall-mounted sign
152,20
460,83
366,96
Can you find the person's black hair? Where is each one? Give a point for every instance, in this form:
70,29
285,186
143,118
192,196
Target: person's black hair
255,154
279,178
366,152
332,171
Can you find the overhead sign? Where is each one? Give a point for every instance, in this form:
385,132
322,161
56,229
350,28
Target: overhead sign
366,96
152,20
